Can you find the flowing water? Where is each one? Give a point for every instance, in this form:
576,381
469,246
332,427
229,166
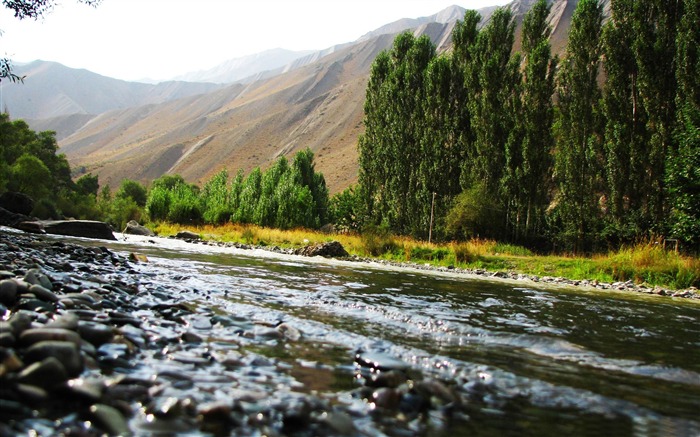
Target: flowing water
525,360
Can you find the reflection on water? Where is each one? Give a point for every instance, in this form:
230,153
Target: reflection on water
551,361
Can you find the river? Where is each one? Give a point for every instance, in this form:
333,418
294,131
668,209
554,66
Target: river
517,359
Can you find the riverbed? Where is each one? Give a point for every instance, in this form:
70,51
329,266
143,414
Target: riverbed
224,341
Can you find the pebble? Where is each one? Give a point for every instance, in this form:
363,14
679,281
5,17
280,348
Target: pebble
109,419
43,293
35,335
46,373
8,292
67,353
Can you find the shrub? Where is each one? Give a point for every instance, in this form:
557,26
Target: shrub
463,254
377,240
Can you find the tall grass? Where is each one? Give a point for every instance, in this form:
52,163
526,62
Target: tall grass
644,263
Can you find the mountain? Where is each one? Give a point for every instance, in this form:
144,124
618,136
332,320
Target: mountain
235,70
53,90
315,101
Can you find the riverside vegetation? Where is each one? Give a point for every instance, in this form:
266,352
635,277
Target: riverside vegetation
474,151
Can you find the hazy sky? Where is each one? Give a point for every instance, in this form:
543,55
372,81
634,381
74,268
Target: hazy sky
159,39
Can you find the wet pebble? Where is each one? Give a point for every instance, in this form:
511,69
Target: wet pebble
96,333
111,420
67,353
47,373
43,293
8,292
36,335
380,361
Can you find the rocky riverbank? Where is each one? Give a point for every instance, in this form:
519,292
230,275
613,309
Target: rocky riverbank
91,345
335,250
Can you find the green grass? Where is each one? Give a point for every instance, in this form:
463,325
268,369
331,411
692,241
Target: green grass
646,264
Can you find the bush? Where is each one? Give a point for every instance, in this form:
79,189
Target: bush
184,207
377,240
463,254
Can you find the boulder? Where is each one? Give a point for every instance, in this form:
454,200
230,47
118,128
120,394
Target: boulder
187,235
331,249
19,203
134,228
73,228
12,219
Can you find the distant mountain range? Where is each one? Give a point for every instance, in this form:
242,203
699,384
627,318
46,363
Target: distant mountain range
265,105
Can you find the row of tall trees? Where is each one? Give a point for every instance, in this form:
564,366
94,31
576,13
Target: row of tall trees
286,195
598,148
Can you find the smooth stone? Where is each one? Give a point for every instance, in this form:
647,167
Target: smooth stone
134,228
90,390
339,422
36,277
265,332
67,352
289,332
9,361
436,391
32,394
391,379
114,354
43,293
13,409
191,337
187,235
79,228
18,322
95,333
65,321
35,335
7,339
201,323
8,292
380,361
47,373
386,398
109,419
36,305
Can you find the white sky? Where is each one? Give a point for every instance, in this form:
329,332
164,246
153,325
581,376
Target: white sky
159,39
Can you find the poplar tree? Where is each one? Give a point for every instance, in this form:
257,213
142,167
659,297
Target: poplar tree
655,28
626,138
490,120
533,175
577,129
683,172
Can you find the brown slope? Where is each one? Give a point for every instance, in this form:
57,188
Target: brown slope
241,127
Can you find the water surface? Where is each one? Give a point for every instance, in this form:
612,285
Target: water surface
527,359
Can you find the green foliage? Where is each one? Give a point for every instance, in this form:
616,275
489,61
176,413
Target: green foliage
474,215
122,210
216,199
345,210
88,184
184,205
132,190
29,175
578,130
285,196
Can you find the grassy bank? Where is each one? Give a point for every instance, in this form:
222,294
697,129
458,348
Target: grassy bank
644,263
